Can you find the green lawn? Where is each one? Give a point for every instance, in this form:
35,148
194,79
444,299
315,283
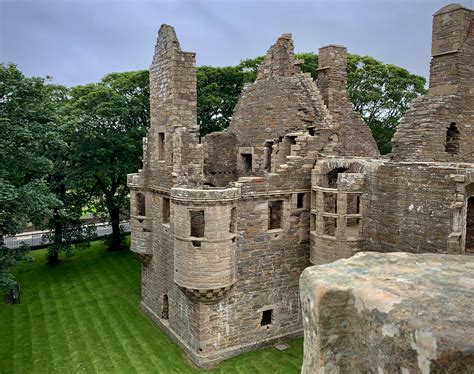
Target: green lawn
83,316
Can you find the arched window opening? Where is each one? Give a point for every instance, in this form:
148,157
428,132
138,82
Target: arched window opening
452,139
140,204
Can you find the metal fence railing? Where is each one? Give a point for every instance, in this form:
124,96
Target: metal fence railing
38,238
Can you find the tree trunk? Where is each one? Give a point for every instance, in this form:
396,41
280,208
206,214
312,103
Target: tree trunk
53,251
116,240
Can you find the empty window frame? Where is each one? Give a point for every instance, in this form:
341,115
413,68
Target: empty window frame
267,317
353,227
197,223
140,204
330,226
330,202
300,200
246,162
161,146
353,203
312,222
166,210
275,214
452,139
268,156
165,307
233,221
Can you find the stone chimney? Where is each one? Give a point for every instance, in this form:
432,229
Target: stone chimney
332,75
452,51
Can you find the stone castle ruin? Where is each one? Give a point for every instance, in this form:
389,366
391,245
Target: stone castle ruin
225,226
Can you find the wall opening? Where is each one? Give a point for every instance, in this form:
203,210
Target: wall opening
161,146
233,221
353,203
330,226
330,202
452,139
311,131
267,316
470,225
141,209
197,223
275,214
288,141
312,222
166,210
165,307
247,162
300,197
268,156
353,227
332,177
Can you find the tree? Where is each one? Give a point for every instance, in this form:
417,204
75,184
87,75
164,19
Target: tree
110,120
381,93
67,229
26,131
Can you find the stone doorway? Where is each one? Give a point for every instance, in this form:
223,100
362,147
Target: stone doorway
470,225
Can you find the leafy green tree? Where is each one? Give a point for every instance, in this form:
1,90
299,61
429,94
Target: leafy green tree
26,132
110,120
67,229
381,93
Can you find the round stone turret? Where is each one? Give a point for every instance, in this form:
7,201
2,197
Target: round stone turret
205,241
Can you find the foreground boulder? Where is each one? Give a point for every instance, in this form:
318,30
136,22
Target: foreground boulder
389,313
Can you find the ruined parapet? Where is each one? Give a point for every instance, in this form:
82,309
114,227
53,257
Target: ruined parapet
205,230
279,60
440,126
389,313
337,208
355,137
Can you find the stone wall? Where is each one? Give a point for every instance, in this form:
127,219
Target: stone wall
355,137
389,313
220,162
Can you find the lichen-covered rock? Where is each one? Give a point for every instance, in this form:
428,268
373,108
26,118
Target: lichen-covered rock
389,313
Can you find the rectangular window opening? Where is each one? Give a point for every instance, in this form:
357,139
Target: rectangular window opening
275,214
233,221
353,227
300,197
166,210
312,222
161,146
268,156
353,203
330,226
197,223
247,162
330,202
267,316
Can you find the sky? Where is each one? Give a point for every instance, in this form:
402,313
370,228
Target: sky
80,41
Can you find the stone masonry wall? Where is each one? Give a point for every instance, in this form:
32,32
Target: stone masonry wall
411,206
389,313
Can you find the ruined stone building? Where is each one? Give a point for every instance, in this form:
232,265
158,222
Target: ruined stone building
224,227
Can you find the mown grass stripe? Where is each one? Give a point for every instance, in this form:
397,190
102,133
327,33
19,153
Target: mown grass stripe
87,320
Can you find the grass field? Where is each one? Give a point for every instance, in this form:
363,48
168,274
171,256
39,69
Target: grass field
83,316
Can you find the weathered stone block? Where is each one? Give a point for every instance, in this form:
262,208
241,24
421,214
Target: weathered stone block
389,313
